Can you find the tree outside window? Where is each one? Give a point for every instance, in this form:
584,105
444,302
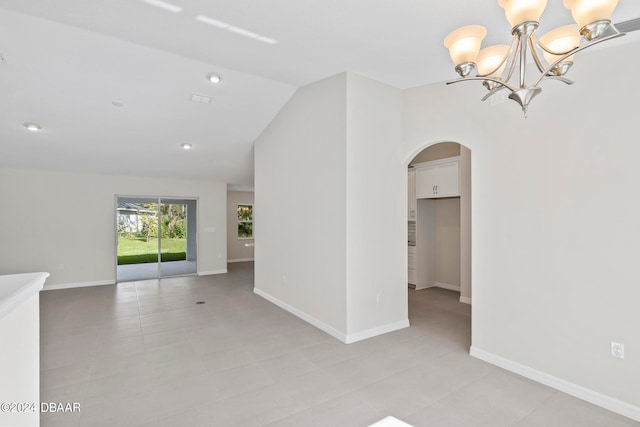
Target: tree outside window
245,221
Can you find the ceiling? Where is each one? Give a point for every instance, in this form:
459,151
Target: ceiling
67,61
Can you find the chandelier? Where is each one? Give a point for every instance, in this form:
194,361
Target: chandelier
496,64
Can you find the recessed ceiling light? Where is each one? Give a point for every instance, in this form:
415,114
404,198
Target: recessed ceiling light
186,146
163,5
33,127
214,78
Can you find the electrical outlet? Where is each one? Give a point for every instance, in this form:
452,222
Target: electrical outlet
617,350
378,296
60,266
284,280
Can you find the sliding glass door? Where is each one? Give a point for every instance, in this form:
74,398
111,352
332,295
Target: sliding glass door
157,237
178,249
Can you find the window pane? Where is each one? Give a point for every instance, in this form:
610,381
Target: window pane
245,213
245,229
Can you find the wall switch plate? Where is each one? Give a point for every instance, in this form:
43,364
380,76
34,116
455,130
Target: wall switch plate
617,350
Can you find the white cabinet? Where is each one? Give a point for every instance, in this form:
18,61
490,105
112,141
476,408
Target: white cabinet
413,272
440,178
411,196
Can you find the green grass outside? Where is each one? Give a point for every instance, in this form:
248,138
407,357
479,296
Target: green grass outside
137,250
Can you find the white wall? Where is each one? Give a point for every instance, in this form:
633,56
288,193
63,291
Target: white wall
376,211
236,249
300,221
51,218
342,243
447,241
555,218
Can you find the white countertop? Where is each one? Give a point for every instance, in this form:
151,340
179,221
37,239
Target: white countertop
15,289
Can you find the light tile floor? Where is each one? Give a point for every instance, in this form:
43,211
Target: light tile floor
144,354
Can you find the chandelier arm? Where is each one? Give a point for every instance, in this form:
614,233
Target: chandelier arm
491,79
534,53
546,49
515,48
573,52
560,78
492,92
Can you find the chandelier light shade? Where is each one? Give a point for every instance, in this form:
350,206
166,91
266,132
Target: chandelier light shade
491,60
552,54
587,11
562,39
464,45
590,13
519,11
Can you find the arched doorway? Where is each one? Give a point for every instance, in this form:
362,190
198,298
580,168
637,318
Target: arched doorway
439,231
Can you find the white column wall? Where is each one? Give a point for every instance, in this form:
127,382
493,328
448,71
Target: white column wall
376,210
300,205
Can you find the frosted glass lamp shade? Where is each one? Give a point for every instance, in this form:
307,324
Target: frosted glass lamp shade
464,43
560,40
519,11
585,12
491,60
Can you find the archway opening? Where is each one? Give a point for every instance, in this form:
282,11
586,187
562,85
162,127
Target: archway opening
439,240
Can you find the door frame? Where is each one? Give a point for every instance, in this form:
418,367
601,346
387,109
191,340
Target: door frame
158,202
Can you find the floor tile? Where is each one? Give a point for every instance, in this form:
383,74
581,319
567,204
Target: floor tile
144,354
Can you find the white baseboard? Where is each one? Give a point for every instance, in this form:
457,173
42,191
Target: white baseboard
208,273
575,390
347,339
239,260
447,286
418,287
465,300
302,315
374,332
78,285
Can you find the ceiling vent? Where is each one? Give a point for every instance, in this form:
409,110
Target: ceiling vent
200,98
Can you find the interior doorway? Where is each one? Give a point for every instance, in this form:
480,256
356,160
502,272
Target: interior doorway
156,237
439,233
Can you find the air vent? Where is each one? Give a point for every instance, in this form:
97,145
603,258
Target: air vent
200,98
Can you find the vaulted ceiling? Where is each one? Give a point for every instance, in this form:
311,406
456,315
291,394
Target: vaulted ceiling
67,62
